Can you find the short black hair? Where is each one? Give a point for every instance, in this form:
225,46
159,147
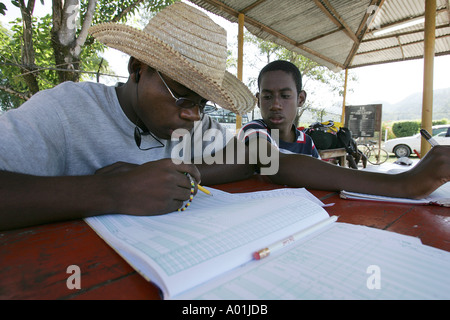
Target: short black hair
283,66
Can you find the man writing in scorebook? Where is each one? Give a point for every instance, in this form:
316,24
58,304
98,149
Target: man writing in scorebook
85,149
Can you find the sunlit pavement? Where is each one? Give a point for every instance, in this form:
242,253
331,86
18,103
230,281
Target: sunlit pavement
390,166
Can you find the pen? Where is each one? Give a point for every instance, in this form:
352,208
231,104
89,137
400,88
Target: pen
260,254
428,137
204,190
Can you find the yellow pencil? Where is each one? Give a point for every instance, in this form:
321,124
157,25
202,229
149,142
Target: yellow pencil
204,190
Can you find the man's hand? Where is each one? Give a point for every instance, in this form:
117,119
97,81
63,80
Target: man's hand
155,187
430,173
152,188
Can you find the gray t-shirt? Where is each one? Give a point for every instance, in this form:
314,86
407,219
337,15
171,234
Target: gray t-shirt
77,128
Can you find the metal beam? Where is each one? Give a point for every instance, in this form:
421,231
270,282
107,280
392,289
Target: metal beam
240,62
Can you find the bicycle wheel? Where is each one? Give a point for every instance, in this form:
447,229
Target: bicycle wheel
377,156
363,148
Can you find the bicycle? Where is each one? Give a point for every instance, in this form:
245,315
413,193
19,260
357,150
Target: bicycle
373,154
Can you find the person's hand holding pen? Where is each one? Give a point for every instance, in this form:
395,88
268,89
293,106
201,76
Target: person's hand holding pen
153,188
124,166
428,137
191,197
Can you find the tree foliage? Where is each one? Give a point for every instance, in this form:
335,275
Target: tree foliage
39,53
2,8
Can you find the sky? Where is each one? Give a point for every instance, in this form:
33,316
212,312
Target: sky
391,82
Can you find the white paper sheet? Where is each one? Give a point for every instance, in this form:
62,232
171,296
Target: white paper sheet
217,233
338,263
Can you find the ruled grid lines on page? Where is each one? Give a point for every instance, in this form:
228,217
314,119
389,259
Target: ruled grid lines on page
333,265
179,241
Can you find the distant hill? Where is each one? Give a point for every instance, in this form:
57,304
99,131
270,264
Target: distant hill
410,108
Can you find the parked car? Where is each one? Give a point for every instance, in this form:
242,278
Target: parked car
403,147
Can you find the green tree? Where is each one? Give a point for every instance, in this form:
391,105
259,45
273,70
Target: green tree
41,53
2,8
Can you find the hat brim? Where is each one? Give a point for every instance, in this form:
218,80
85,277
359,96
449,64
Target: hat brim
231,94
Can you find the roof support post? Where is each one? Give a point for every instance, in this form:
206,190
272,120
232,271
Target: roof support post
240,62
428,62
345,95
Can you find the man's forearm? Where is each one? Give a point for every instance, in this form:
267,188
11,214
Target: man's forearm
304,171
29,200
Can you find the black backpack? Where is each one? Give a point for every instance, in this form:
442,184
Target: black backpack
324,135
323,140
345,140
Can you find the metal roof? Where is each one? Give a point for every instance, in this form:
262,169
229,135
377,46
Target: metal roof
339,34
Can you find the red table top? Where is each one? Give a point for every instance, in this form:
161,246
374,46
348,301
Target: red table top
34,261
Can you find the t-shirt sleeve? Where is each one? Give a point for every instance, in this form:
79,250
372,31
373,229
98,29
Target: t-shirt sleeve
32,137
254,130
314,151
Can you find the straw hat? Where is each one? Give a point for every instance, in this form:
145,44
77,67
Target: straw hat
183,43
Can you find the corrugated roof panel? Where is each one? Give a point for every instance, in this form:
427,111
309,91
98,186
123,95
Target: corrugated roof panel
350,12
442,18
290,17
411,38
413,50
442,45
377,44
373,57
336,46
392,11
442,31
303,26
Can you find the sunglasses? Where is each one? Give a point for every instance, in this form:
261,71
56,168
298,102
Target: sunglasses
184,103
